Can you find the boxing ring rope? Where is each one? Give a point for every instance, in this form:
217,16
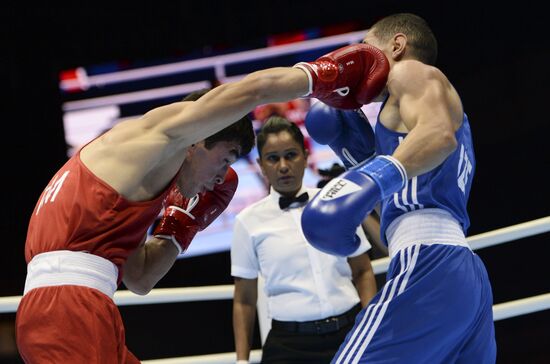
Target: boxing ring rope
490,238
501,311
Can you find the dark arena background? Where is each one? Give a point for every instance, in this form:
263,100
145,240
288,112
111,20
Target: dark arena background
496,56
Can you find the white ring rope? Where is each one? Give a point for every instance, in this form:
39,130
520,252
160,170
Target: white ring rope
224,292
223,358
484,240
170,295
520,307
501,311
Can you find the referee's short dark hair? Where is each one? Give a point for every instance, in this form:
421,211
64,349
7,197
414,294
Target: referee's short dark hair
277,124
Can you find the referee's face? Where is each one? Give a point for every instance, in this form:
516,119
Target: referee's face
283,163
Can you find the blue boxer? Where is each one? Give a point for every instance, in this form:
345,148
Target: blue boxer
436,306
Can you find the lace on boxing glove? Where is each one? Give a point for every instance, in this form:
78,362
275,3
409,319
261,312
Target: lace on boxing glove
178,225
348,77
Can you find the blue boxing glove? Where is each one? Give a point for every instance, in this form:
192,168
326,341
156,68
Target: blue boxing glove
347,132
331,218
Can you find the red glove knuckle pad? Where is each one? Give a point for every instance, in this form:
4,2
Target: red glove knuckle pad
183,222
350,76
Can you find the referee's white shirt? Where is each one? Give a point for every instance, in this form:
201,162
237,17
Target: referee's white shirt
301,282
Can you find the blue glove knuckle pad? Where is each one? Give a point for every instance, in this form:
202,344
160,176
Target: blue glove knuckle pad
347,132
330,220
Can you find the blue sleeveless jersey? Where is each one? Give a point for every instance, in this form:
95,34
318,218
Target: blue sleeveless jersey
446,187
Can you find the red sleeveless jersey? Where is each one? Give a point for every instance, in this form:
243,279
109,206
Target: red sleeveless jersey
78,211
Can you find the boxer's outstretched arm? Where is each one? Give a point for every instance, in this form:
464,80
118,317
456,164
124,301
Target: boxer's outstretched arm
191,122
431,110
347,78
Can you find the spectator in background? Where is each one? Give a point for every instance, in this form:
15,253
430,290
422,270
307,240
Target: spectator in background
312,297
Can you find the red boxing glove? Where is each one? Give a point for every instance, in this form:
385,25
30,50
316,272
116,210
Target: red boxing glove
184,217
349,77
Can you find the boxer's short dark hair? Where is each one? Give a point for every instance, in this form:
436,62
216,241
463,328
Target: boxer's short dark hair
421,39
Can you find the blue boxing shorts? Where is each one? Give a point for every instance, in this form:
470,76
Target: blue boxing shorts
436,307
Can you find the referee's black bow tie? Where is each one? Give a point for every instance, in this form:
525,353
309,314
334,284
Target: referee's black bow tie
285,202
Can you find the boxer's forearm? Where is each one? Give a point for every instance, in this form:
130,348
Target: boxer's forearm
229,102
148,264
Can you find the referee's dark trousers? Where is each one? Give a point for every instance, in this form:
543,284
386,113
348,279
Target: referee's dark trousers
314,342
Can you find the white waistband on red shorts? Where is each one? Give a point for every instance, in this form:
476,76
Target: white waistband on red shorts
65,267
424,226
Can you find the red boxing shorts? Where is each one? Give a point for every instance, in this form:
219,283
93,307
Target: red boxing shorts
67,321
